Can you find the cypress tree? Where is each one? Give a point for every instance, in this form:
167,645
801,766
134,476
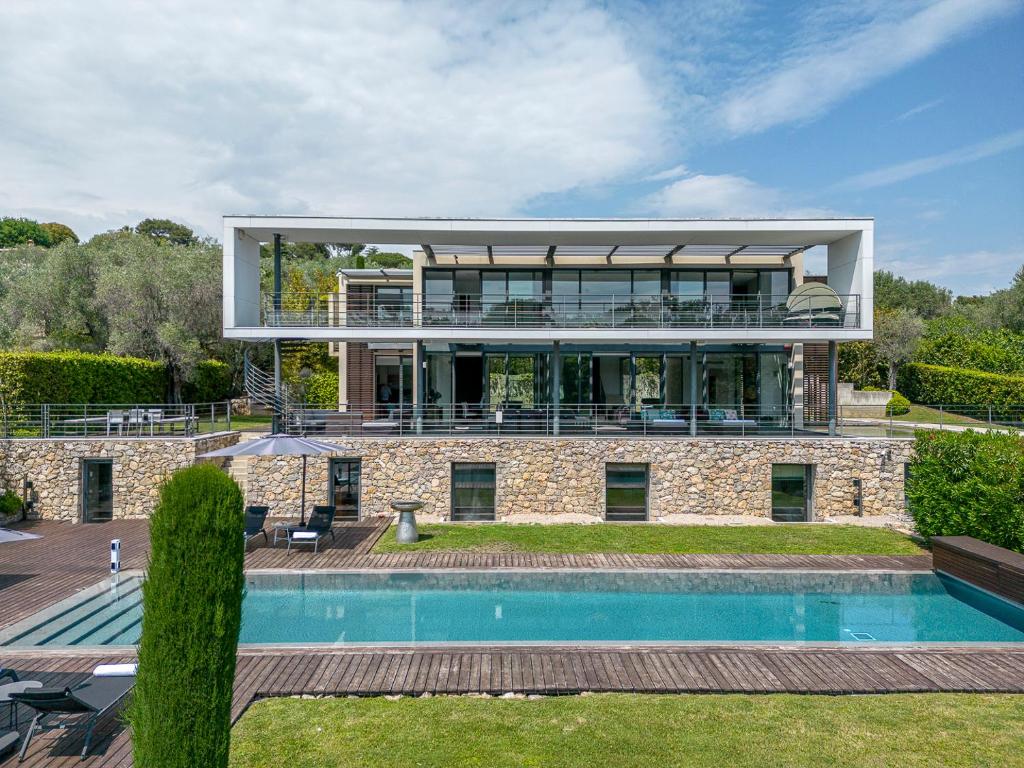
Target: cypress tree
192,610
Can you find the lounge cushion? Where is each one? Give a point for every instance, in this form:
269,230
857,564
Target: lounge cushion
8,741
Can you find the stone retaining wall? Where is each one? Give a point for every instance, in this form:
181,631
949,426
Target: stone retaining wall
562,480
140,464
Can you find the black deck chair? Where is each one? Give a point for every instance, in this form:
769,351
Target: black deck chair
8,740
321,522
255,519
79,707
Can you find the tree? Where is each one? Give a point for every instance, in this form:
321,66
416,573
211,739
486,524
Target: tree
1001,309
180,713
166,230
22,232
386,259
162,302
897,334
59,232
926,299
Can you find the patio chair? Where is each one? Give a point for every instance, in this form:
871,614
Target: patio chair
74,708
15,685
255,520
320,524
115,421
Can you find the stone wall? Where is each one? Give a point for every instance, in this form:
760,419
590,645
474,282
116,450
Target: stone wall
562,480
140,464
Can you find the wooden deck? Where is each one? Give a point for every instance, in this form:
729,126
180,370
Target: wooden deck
551,671
36,573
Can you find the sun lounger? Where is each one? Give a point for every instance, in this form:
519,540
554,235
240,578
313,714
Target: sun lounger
79,707
255,519
319,525
15,685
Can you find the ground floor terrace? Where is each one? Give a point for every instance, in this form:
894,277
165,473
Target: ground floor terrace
68,557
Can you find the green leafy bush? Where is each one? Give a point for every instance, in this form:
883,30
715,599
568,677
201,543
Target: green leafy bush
322,390
192,610
19,231
939,385
10,504
211,382
956,343
897,405
79,377
969,484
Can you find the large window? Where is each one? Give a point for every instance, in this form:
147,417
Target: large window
344,490
625,492
473,491
792,492
97,490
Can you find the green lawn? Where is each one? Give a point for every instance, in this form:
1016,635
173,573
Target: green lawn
656,539
242,423
922,414
697,731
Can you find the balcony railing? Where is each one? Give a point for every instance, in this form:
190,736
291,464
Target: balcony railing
73,420
308,310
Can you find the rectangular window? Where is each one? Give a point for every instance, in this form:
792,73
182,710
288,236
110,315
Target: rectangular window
625,492
473,491
792,491
344,493
97,490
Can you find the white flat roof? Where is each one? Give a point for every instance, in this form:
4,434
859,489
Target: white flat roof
603,231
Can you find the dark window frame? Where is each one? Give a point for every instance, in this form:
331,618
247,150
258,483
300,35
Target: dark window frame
627,514
475,514
83,483
358,461
784,515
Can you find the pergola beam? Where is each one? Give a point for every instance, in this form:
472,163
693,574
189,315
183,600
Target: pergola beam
608,258
550,258
490,254
673,252
730,254
431,258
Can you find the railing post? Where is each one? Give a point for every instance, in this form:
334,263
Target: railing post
213,417
46,419
228,413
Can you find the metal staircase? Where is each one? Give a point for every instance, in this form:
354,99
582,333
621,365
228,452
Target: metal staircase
259,385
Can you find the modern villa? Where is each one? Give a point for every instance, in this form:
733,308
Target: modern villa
570,369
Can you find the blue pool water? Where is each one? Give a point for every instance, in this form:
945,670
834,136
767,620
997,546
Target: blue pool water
567,607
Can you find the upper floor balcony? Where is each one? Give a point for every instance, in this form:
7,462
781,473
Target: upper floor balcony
811,306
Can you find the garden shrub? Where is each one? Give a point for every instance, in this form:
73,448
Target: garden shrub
79,377
939,385
211,383
956,343
10,504
322,390
897,405
192,608
969,484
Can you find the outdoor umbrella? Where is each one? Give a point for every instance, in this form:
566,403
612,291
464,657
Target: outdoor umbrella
279,445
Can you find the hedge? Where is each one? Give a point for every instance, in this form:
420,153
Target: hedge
969,484
192,612
322,390
939,385
79,377
211,383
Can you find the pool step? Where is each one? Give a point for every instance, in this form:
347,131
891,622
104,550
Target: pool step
92,611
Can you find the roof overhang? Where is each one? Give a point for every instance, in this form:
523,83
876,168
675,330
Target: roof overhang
505,233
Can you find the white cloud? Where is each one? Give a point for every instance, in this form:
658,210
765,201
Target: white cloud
902,171
723,195
914,111
846,57
121,111
966,273
668,174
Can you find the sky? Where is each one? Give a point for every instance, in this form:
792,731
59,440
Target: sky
909,112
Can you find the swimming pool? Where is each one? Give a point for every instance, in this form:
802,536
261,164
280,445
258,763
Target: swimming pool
577,607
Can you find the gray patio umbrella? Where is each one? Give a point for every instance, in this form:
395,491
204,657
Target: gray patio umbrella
279,445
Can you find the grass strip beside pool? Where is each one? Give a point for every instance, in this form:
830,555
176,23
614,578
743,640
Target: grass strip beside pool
656,539
698,731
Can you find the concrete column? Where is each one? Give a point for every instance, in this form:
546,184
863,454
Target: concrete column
833,391
693,388
276,426
277,279
556,383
